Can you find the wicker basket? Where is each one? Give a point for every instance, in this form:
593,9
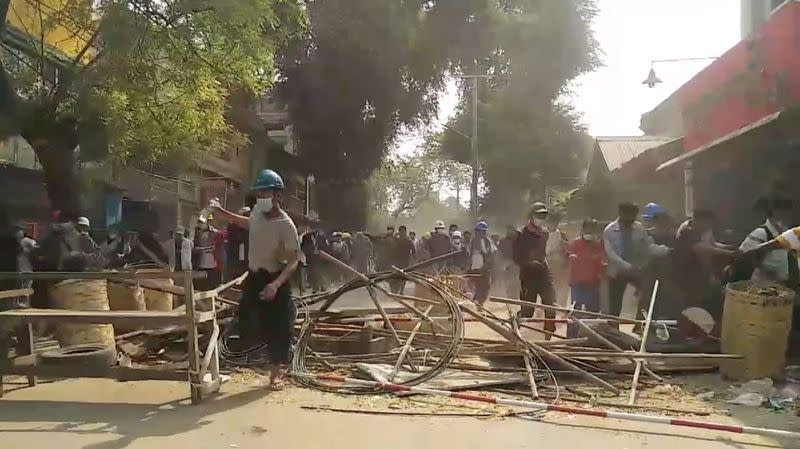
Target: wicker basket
82,294
756,326
156,300
125,297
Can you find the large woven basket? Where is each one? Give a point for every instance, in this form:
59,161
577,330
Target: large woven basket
82,294
156,300
756,323
125,297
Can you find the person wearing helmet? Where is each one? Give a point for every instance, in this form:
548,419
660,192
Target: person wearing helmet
439,243
529,252
481,253
266,310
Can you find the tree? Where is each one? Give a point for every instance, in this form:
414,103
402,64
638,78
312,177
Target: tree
403,185
366,69
151,82
529,137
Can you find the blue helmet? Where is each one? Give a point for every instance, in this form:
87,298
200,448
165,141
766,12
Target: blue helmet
481,226
652,210
268,180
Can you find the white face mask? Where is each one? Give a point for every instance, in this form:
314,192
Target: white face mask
539,222
264,204
441,231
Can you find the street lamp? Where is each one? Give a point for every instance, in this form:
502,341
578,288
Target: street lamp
652,79
473,201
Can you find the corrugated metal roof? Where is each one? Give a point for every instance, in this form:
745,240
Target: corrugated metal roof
617,151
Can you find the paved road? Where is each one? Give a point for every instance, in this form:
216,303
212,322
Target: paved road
100,414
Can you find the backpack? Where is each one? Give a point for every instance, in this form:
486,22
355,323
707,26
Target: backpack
742,269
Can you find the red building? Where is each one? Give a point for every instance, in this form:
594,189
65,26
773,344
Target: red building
738,120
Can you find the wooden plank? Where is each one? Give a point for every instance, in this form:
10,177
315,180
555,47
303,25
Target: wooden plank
10,294
130,318
151,285
25,366
60,276
194,357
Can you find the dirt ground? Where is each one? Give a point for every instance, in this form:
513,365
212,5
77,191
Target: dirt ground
101,414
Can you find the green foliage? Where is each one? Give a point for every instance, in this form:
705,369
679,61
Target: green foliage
161,74
403,185
528,137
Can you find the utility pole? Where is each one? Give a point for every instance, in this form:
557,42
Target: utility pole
474,141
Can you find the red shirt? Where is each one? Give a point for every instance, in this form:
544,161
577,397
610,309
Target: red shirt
586,261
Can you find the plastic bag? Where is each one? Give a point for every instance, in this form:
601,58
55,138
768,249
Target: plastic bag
748,399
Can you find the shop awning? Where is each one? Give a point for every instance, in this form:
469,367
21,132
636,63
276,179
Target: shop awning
722,140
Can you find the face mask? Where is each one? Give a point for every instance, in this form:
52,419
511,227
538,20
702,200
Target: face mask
264,204
780,225
588,237
440,231
539,222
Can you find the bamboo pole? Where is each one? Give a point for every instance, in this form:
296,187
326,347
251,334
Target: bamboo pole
407,346
527,359
643,346
564,310
606,342
510,336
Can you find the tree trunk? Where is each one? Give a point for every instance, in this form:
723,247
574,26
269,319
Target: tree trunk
53,138
342,203
58,167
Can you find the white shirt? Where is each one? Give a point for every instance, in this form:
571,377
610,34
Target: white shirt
186,254
775,265
272,241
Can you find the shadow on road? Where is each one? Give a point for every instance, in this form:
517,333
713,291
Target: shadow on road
129,421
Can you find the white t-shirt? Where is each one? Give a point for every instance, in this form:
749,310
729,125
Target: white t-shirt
776,261
272,240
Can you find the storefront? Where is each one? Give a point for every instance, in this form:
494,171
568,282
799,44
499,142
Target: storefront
739,121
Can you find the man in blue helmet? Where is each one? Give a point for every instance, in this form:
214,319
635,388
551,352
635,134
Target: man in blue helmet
266,310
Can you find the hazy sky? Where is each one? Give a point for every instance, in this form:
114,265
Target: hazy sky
631,33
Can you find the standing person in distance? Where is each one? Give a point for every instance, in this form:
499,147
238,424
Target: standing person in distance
587,264
266,311
481,254
404,251
535,278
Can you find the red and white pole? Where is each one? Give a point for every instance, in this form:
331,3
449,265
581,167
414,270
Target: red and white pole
558,408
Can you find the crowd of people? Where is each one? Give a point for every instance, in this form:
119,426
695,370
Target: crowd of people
536,262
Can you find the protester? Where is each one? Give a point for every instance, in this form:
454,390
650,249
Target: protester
439,244
556,257
586,266
452,229
361,252
694,272
237,247
184,248
779,265
403,254
481,254
313,262
266,310
384,247
534,274
509,271
661,229
10,255
459,262
205,241
628,249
